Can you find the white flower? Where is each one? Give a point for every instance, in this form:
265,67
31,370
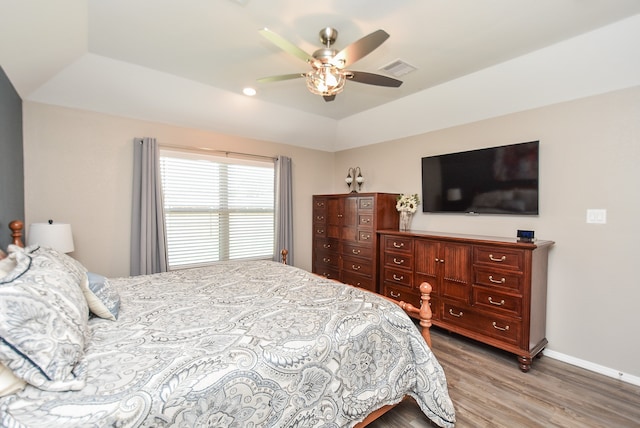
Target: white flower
408,203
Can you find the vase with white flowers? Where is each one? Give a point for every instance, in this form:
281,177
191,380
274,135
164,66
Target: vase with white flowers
407,205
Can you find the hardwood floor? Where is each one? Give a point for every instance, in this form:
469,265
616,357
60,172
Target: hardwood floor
488,390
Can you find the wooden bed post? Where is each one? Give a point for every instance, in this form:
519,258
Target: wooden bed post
16,233
284,254
425,311
16,227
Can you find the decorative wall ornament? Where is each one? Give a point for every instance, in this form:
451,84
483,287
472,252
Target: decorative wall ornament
354,175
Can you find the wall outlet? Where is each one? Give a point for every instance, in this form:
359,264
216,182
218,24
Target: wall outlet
597,216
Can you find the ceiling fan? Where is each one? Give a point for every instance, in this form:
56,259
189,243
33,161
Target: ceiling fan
328,75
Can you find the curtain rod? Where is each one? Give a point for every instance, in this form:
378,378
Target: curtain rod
225,152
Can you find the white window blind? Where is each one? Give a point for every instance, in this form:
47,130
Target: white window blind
216,208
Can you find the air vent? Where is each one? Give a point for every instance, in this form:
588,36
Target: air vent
398,68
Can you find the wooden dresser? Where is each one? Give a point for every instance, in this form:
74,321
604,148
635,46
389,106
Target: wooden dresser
493,290
345,242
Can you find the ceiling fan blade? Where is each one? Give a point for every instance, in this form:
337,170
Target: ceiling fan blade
359,49
286,45
373,79
281,77
328,98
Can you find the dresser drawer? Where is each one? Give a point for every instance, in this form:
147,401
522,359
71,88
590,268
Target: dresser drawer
493,300
319,231
328,272
319,216
397,276
499,257
326,245
398,244
365,220
401,294
358,251
365,236
319,203
497,278
365,203
357,280
505,329
400,260
357,265
328,259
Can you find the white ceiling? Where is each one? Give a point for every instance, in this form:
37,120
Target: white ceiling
146,58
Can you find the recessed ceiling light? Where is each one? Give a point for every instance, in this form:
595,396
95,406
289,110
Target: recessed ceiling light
249,92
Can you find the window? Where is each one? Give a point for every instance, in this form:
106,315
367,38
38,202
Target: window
216,208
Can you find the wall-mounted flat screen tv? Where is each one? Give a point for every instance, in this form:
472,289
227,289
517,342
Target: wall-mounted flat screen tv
495,180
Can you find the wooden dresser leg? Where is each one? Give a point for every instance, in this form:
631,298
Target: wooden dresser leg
525,363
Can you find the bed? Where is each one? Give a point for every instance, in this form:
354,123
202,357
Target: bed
236,344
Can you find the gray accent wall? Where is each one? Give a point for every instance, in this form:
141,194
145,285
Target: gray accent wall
11,158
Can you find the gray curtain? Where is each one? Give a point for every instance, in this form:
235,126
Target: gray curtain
283,208
148,242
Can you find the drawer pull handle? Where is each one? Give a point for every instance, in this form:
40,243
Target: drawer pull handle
366,237
366,220
439,260
326,245
506,328
495,281
326,259
398,262
355,251
366,204
500,303
394,295
339,215
458,315
320,231
320,204
398,278
356,267
398,245
493,259
320,218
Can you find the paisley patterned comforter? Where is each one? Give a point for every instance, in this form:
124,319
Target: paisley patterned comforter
242,344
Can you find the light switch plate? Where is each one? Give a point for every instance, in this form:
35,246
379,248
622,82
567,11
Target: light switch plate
597,216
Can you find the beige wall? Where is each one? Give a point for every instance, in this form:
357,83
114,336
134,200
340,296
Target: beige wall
589,158
79,166
78,169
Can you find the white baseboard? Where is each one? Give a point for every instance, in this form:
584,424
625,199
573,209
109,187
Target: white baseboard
609,372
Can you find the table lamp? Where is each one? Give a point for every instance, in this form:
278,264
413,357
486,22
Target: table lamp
54,235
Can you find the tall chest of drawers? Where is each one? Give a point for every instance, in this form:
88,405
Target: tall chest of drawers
345,242
493,290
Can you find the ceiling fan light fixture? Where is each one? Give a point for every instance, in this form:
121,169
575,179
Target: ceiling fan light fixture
326,80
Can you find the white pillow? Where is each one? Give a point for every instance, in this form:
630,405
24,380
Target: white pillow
9,383
7,265
102,298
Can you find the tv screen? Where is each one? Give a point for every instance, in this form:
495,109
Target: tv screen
495,180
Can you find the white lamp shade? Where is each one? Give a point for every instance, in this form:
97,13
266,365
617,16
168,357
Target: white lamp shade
54,235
